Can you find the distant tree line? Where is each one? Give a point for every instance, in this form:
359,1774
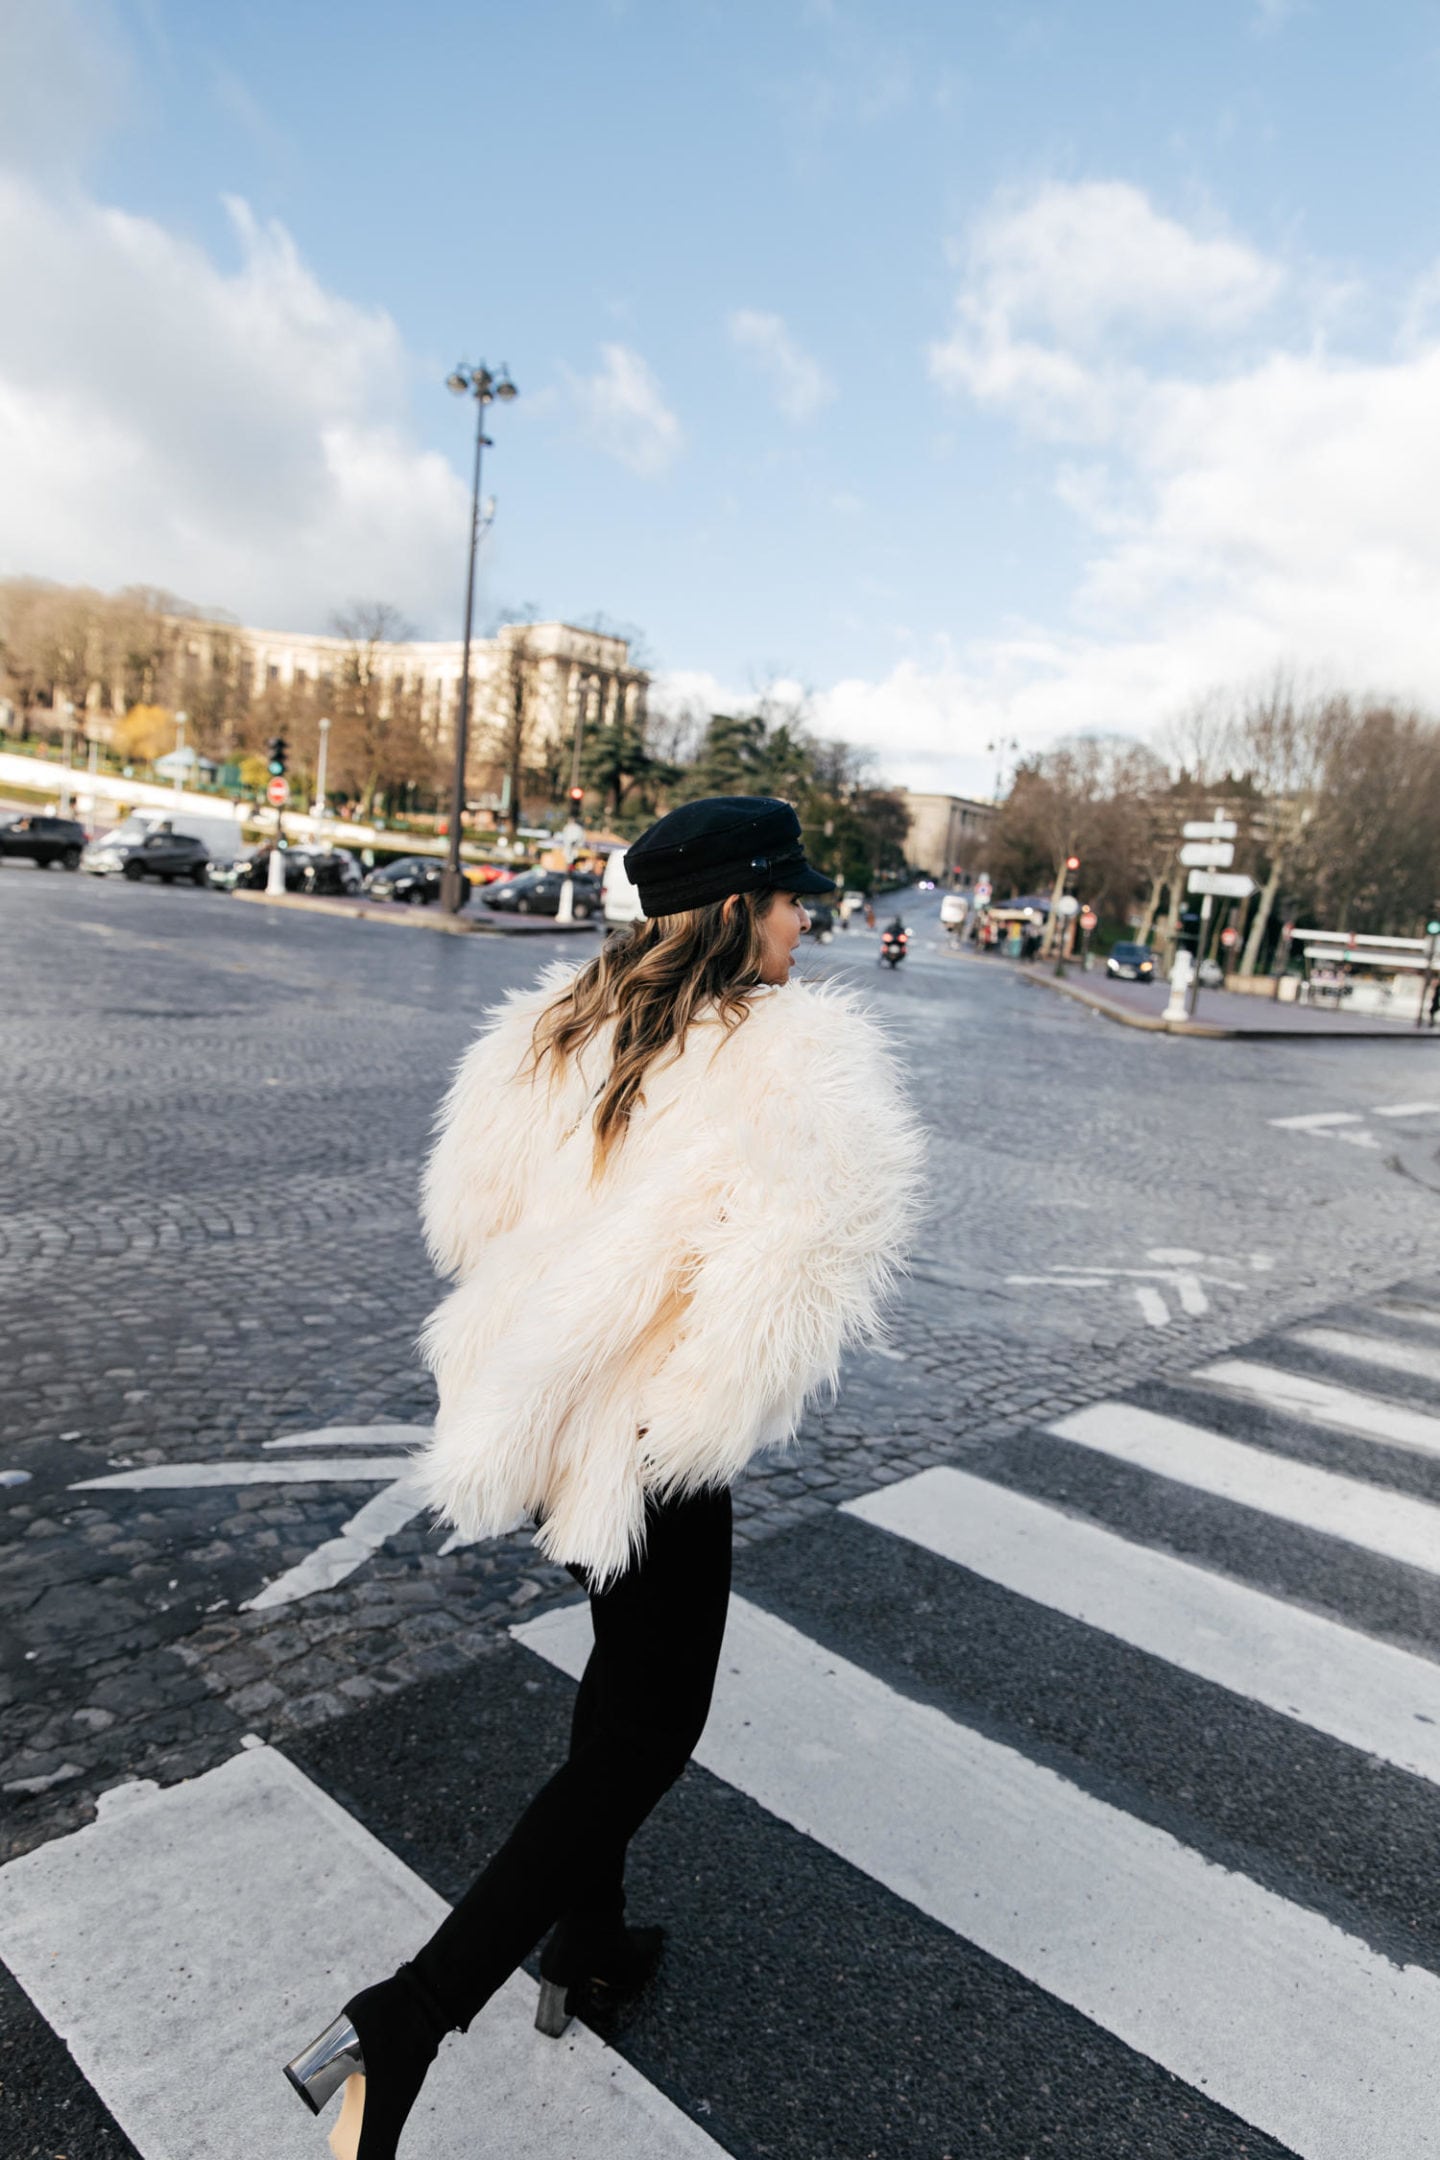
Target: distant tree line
1336,799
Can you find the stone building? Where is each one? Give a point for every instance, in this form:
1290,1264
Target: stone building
574,679
949,835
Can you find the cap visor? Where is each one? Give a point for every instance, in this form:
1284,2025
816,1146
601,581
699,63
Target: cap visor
808,879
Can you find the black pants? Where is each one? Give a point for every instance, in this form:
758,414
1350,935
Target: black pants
639,1713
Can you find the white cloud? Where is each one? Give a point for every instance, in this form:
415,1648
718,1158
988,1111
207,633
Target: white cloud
1238,504
1060,292
233,434
625,413
798,383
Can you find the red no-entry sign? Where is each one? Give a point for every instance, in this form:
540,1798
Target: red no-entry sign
278,792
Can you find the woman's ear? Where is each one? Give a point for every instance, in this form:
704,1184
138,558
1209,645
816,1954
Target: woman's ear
728,906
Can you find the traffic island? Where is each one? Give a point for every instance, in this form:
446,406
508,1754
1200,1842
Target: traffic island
1220,1014
478,923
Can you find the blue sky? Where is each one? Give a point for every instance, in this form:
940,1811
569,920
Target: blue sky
988,372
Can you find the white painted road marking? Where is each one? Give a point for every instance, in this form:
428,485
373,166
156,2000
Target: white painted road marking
1271,2011
1315,1120
1406,1109
190,1941
191,1477
357,1539
1381,1350
1327,1124
1381,1522
1363,1692
1318,1401
1175,1270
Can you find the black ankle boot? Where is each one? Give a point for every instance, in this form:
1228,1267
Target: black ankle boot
379,2048
580,1977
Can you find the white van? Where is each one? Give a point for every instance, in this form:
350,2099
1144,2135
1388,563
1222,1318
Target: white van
619,900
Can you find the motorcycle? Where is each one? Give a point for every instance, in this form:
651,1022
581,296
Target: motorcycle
893,946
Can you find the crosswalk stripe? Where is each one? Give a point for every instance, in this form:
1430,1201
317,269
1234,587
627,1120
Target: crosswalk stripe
1363,1692
1391,1524
190,1940
1397,1309
1321,1403
1381,1350
1405,1109
1266,2007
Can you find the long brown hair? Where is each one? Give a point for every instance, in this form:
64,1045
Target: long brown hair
652,980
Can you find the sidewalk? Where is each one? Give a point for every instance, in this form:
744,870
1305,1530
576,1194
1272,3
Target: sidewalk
476,920
1220,1014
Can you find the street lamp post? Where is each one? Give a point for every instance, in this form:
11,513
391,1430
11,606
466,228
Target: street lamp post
479,383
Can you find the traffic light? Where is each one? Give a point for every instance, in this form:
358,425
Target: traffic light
1072,864
577,797
278,747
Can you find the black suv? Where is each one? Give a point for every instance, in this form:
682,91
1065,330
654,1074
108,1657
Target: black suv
43,840
158,853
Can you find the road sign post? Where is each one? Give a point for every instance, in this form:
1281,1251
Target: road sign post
1212,885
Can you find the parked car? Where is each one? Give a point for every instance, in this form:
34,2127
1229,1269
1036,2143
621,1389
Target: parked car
537,892
42,840
157,852
412,878
1132,963
619,898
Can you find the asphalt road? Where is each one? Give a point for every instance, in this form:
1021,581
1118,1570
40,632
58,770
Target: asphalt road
214,1116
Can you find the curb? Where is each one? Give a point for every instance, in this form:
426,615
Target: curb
413,918
1153,1024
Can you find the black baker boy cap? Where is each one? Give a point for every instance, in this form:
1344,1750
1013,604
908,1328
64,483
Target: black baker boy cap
723,844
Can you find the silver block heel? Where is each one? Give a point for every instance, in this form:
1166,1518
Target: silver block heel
319,2070
552,2012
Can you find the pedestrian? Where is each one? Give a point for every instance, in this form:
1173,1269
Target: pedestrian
1435,1001
662,1236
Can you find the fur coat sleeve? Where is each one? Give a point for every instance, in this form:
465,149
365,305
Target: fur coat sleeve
648,1331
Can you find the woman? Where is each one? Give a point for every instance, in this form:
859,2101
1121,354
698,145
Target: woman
669,1190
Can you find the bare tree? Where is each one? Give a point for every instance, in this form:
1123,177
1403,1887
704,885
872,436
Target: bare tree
377,741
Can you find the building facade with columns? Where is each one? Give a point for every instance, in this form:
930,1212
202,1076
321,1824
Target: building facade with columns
949,835
573,677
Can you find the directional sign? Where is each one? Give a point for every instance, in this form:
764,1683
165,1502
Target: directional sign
1208,854
278,791
1212,829
1224,884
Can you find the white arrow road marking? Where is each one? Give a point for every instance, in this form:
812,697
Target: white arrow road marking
380,1518
338,1557
185,1477
356,1436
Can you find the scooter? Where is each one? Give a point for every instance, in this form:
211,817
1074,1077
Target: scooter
893,946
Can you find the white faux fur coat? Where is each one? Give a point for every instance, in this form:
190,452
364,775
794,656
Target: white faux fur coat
650,1331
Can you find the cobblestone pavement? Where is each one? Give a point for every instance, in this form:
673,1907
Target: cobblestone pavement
213,1120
